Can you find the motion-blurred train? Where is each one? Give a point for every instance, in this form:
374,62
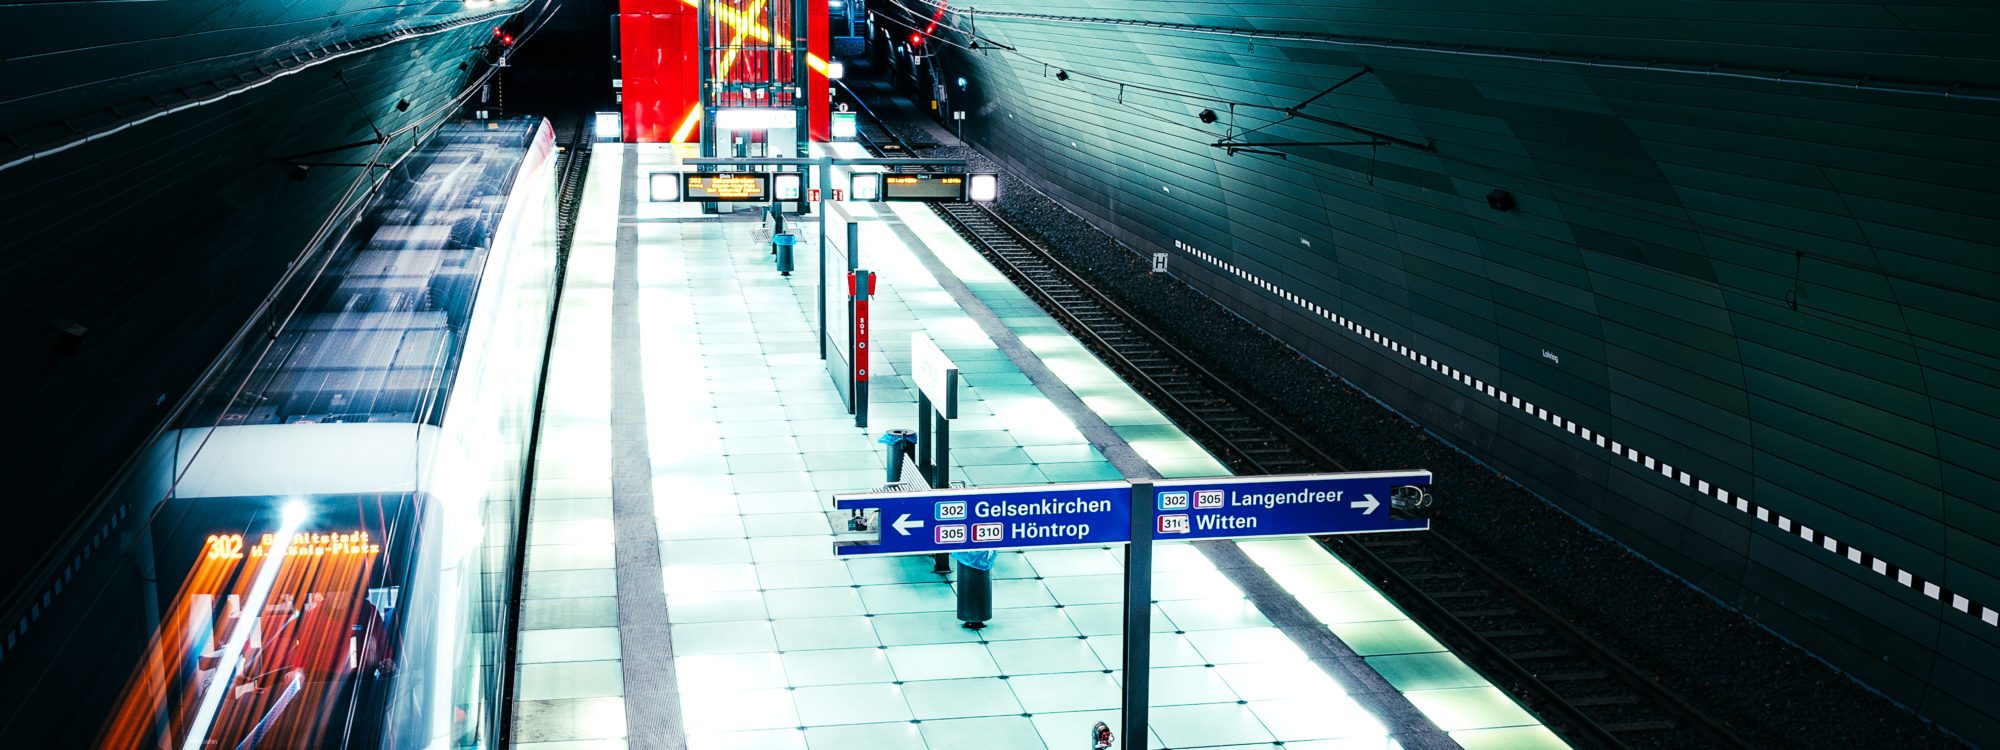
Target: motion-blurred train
333,533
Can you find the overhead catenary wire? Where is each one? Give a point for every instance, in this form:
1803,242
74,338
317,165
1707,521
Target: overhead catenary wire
1072,72
1680,222
1965,90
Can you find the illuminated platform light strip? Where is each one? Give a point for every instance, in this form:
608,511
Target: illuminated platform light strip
1902,576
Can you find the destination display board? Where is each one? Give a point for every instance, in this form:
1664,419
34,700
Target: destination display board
726,187
923,187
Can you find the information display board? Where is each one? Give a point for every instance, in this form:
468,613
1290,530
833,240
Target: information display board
726,187
923,187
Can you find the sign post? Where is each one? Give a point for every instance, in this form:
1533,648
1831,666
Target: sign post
1138,661
1132,513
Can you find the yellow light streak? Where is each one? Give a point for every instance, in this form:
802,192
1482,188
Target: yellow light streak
745,24
687,124
735,45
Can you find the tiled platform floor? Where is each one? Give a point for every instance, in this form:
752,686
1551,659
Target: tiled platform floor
778,645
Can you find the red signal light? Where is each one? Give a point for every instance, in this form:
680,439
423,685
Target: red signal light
916,39
506,39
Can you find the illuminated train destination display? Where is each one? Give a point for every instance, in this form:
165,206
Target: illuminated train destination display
299,544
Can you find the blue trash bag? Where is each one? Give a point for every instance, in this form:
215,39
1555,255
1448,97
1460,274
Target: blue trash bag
980,559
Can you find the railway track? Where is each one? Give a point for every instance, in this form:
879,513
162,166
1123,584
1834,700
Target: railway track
1580,688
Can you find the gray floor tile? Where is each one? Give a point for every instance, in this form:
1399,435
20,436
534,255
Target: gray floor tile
819,633
716,606
544,614
951,699
995,732
850,704
1044,656
576,679
730,672
942,662
922,628
569,719
701,638
901,735
817,602
837,667
568,644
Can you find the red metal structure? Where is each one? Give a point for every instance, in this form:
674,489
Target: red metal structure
660,53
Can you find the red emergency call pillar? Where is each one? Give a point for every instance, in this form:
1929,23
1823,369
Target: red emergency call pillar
860,287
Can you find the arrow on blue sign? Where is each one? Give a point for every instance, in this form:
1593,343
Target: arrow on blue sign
1050,515
1238,507
1099,513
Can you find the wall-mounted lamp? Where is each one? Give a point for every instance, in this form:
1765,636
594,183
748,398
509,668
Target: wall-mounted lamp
1062,75
1500,200
1207,117
983,188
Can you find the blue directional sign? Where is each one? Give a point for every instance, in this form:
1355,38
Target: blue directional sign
993,518
1052,515
1237,507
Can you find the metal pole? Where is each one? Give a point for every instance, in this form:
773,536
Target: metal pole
853,245
705,67
825,192
1138,618
924,433
802,98
941,461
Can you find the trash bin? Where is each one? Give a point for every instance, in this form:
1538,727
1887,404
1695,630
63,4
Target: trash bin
975,587
783,243
902,444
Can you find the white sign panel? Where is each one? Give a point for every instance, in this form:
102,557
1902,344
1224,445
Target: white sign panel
934,374
1159,262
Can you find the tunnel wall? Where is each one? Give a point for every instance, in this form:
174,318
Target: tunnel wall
158,241
1744,326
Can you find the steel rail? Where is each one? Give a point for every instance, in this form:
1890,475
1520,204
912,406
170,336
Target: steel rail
1566,713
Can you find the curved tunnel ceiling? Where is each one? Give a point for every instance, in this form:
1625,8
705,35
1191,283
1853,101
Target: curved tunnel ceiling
1735,302
148,165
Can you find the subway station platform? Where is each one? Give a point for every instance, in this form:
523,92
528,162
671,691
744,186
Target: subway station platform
681,588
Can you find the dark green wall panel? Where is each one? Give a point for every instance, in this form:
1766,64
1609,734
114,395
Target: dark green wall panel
1787,292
